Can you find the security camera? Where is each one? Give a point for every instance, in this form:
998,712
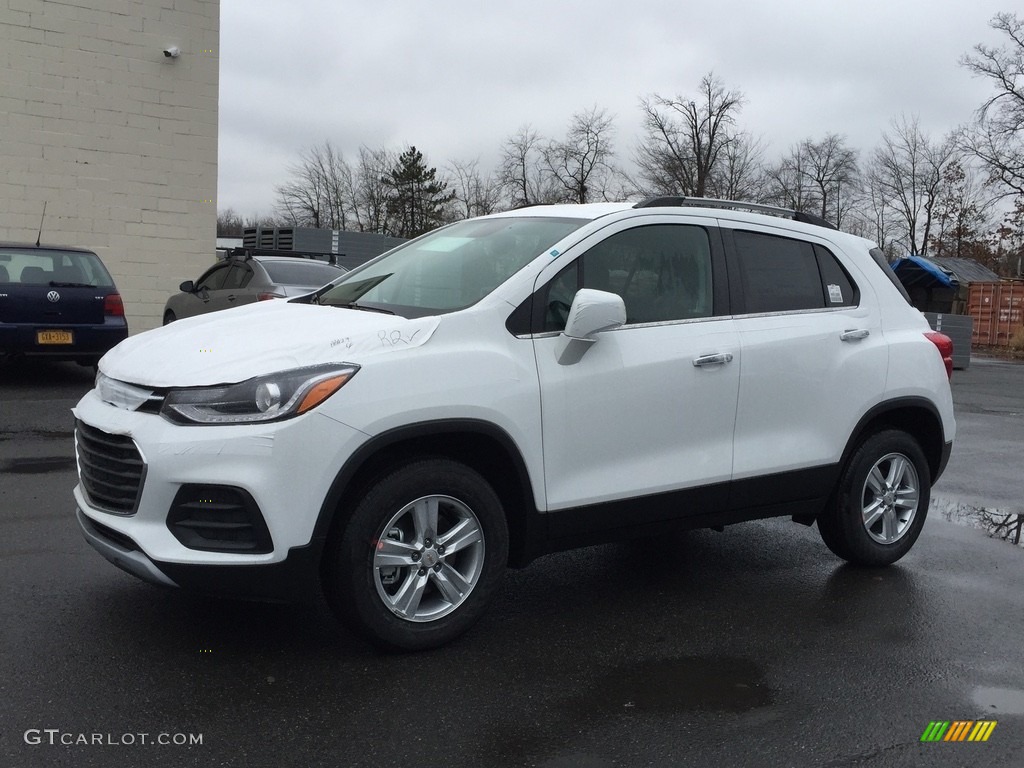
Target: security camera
173,52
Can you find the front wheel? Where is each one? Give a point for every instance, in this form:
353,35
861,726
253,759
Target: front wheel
420,556
881,502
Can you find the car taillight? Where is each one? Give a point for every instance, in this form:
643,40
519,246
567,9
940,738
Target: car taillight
112,305
945,346
267,296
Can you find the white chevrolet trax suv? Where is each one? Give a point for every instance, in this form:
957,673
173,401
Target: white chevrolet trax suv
514,385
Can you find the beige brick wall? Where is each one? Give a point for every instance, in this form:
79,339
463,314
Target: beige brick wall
118,140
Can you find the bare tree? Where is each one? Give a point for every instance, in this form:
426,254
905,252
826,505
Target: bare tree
369,202
907,170
741,172
814,176
788,182
873,217
960,219
229,223
997,136
831,165
522,173
581,165
318,191
476,194
685,138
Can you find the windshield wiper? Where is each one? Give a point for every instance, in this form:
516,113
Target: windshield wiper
57,284
362,307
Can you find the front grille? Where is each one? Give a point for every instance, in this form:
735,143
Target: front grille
110,467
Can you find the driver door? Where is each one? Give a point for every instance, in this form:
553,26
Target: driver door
647,409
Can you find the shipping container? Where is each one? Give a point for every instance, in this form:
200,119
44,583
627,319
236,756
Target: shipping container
998,312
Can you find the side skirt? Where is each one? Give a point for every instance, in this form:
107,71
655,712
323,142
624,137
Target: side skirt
800,493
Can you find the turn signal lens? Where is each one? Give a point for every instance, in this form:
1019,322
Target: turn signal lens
321,391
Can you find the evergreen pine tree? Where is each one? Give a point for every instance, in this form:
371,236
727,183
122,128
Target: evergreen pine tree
417,200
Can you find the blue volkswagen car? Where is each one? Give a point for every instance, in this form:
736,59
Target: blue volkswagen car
58,303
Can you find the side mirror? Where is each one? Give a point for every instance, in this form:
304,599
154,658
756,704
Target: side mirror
593,312
187,287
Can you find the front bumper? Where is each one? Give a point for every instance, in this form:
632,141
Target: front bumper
121,551
286,467
294,579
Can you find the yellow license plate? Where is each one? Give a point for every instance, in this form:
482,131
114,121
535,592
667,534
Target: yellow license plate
54,337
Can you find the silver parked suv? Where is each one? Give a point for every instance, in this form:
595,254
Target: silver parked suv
514,385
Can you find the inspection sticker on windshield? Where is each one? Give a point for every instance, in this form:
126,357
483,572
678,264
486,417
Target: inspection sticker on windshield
835,294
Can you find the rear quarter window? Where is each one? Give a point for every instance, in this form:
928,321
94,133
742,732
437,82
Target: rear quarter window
883,264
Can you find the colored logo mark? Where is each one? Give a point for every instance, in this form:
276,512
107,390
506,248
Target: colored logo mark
959,730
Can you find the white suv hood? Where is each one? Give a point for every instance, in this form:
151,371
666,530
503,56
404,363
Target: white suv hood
237,344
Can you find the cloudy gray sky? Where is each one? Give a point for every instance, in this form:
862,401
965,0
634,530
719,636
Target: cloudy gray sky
456,78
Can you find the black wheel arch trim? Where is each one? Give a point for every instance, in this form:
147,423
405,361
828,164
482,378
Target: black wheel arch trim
936,452
526,525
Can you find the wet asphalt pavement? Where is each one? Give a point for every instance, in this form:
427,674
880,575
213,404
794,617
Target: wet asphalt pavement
755,646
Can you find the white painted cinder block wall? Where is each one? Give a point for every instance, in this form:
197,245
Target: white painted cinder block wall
117,139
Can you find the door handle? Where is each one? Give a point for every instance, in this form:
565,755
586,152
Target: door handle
232,297
717,359
855,335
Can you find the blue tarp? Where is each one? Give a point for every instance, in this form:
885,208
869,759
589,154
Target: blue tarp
916,270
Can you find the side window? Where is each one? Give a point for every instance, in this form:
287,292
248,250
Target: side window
214,278
238,277
662,272
839,288
777,274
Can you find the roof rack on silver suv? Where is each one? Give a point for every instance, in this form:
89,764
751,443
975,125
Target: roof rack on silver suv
738,205
244,253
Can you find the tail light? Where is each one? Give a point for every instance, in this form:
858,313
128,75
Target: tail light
944,344
267,296
112,305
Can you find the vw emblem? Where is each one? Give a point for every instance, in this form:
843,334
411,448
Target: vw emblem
53,296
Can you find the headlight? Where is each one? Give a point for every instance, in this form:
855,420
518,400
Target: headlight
265,398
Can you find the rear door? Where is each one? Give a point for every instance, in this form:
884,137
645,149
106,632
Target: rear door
234,293
812,358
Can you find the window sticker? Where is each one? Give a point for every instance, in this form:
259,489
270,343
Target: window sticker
835,294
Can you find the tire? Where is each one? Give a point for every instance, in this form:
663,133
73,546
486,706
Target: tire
392,574
169,317
881,502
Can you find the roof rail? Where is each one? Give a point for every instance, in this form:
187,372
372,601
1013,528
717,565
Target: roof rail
666,201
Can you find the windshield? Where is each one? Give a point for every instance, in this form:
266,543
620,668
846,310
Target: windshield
451,268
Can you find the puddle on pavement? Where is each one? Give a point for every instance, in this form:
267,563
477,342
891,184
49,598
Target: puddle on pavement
999,701
684,684
39,465
1005,524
